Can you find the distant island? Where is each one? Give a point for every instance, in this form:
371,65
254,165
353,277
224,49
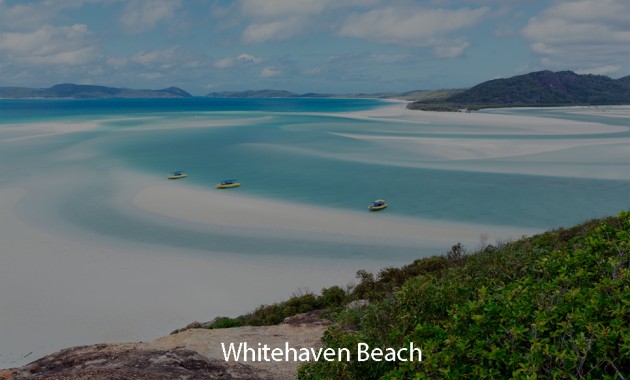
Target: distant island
263,94
81,91
536,89
268,93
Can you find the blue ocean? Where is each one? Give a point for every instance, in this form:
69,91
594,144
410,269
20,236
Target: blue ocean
295,150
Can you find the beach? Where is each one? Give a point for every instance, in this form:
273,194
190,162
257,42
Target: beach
198,252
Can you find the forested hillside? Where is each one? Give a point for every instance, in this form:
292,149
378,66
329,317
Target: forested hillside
542,88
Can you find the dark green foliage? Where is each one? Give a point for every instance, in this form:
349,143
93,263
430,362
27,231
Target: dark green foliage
253,94
542,88
224,322
69,90
556,305
334,299
331,299
333,296
390,279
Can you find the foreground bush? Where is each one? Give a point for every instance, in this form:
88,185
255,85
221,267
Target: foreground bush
331,300
556,305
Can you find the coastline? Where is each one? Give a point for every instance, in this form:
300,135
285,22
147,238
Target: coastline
64,288
291,219
62,291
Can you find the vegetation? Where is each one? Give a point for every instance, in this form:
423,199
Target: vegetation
542,88
253,94
556,305
433,95
429,95
331,299
69,90
334,299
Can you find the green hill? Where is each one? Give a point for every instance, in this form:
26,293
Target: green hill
253,94
554,305
409,95
542,88
69,90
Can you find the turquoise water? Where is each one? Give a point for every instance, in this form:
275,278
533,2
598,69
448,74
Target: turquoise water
18,110
297,150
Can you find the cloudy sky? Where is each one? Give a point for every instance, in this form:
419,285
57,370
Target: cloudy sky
332,46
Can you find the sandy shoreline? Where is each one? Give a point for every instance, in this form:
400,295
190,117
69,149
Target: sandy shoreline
218,208
135,292
494,142
60,291
17,132
509,124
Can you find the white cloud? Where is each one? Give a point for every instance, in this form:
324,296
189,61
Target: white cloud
268,72
160,57
50,45
224,63
275,30
145,57
385,58
248,58
410,26
241,59
26,16
284,19
601,70
452,51
22,16
75,57
195,64
141,16
116,62
281,8
582,34
151,76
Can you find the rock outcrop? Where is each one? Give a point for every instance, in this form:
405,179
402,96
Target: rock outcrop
190,354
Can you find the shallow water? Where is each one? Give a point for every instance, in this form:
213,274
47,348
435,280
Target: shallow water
518,169
298,150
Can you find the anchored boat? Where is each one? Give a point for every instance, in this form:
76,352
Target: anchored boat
228,183
378,204
177,175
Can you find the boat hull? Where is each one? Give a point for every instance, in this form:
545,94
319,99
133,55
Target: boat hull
377,208
227,186
177,176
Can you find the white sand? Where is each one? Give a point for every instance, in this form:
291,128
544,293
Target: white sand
59,291
21,131
519,144
16,132
454,149
219,208
194,121
508,124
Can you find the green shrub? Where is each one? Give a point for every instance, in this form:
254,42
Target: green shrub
556,305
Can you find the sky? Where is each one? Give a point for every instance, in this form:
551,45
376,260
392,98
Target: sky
324,46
